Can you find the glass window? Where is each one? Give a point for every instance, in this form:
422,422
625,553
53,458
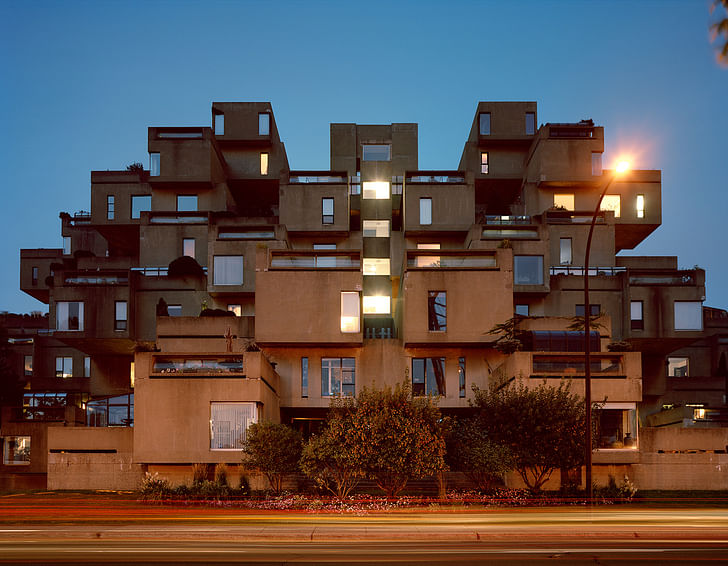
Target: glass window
186,203
154,165
350,311
565,251
111,411
564,201
229,424
219,124
461,377
174,310
188,247
28,365
375,228
139,204
596,163
437,311
327,210
484,120
66,245
688,315
528,269
109,207
530,123
378,152
428,261
678,366
611,202
636,316
69,315
87,366
617,426
640,206
594,310
484,162
375,190
375,266
338,376
428,376
64,366
304,377
425,211
521,310
16,450
228,270
264,124
237,310
120,315
376,304
34,275
264,163
325,261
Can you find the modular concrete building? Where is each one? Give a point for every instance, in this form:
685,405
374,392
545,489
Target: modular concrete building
220,287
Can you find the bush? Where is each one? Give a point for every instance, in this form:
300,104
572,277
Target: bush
153,487
221,473
185,266
623,492
199,473
274,450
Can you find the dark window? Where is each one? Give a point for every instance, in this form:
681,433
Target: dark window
636,315
304,377
484,120
528,269
338,376
428,376
594,310
437,311
461,376
35,276
530,123
678,366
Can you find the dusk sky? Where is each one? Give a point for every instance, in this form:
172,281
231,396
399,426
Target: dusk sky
82,81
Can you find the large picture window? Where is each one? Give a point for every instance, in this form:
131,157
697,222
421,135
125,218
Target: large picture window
528,269
688,315
350,309
428,376
376,152
64,366
16,450
139,204
437,311
338,376
110,411
228,270
229,424
69,315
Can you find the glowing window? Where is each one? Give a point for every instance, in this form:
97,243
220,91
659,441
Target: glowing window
375,190
564,201
678,367
188,247
350,311
263,163
484,162
375,228
64,366
428,261
611,202
425,211
375,266
640,206
28,365
229,424
376,305
16,450
237,310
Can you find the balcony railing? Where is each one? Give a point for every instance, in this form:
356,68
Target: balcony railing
593,271
602,365
572,217
456,259
177,218
431,177
155,271
94,278
317,177
305,259
197,366
675,278
507,220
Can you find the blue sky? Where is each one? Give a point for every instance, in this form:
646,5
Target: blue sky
81,81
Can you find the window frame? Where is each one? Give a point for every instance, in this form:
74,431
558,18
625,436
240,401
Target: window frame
79,323
608,204
329,390
218,123
136,213
25,461
64,367
676,307
563,260
461,377
594,308
110,207
674,363
121,324
437,317
422,386
239,431
365,151
264,125
327,219
637,323
522,257
87,366
181,200
28,365
350,310
531,123
596,164
155,164
185,243
304,377
375,226
484,163
221,271
264,163
487,123
425,211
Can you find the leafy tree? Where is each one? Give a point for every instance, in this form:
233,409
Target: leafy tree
273,449
543,426
472,452
136,166
508,341
719,30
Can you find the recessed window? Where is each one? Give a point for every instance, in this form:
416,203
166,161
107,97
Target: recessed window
521,310
484,162
186,203
437,311
640,206
304,377
349,311
636,315
66,245
154,165
87,366
596,164
461,377
613,203
264,163
528,269
375,190
120,315
428,376
69,315
376,152
28,365
174,310
139,204
565,251
484,123
219,124
327,210
264,124
678,366
375,228
64,366
228,270
16,450
617,426
188,247
237,310
229,424
688,315
425,211
338,377
427,260
564,201
34,276
375,266
109,207
376,304
530,123
594,310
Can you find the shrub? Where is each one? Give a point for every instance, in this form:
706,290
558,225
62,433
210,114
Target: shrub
153,487
185,266
199,474
274,450
221,473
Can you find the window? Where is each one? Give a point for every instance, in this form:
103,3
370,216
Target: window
34,276
264,124
28,365
87,366
375,190
428,376
379,152
228,270
461,377
174,310
120,315
640,206
376,304
327,210
64,366
154,165
229,424
428,261
437,311
304,377
111,411
338,376
565,251
425,211
564,201
635,315
530,123
218,123
611,202
264,163
375,266
188,247
139,204
132,374
484,162
16,450
528,269
594,310
678,367
617,426
596,163
325,261
484,123
69,315
350,311
186,203
66,245
688,315
237,310
375,228
521,310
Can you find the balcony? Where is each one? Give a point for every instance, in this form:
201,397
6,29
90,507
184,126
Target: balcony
434,177
508,220
316,259
451,259
572,217
177,218
317,177
203,366
94,278
593,271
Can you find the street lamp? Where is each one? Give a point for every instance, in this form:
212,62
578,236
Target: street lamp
621,167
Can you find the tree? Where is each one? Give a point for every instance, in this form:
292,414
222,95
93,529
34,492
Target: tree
136,166
273,449
508,341
719,30
543,426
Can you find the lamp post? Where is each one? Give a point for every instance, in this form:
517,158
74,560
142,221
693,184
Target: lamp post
621,167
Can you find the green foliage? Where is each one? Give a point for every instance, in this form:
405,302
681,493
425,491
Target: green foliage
472,452
153,487
508,341
221,473
577,322
136,166
622,492
273,449
199,473
543,426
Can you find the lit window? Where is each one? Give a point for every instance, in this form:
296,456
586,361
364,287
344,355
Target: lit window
565,251
327,210
375,266
132,374
596,164
428,261
64,366
188,247
28,365
425,211
530,123
636,316
484,162
66,245
521,310
228,270
350,311
120,315
34,276
304,377
109,207
640,206
338,377
594,310
264,124
69,315
264,163
229,424
378,152
688,315
375,190
87,366
678,367
16,450
484,122
428,376
611,202
174,310
376,304
617,426
139,204
154,165
437,311
564,201
186,203
111,411
375,228
528,269
219,124
461,377
237,310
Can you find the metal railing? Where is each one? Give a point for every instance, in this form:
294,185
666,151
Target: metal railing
593,271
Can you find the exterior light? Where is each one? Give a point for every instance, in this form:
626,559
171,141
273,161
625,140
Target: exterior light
376,305
375,190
